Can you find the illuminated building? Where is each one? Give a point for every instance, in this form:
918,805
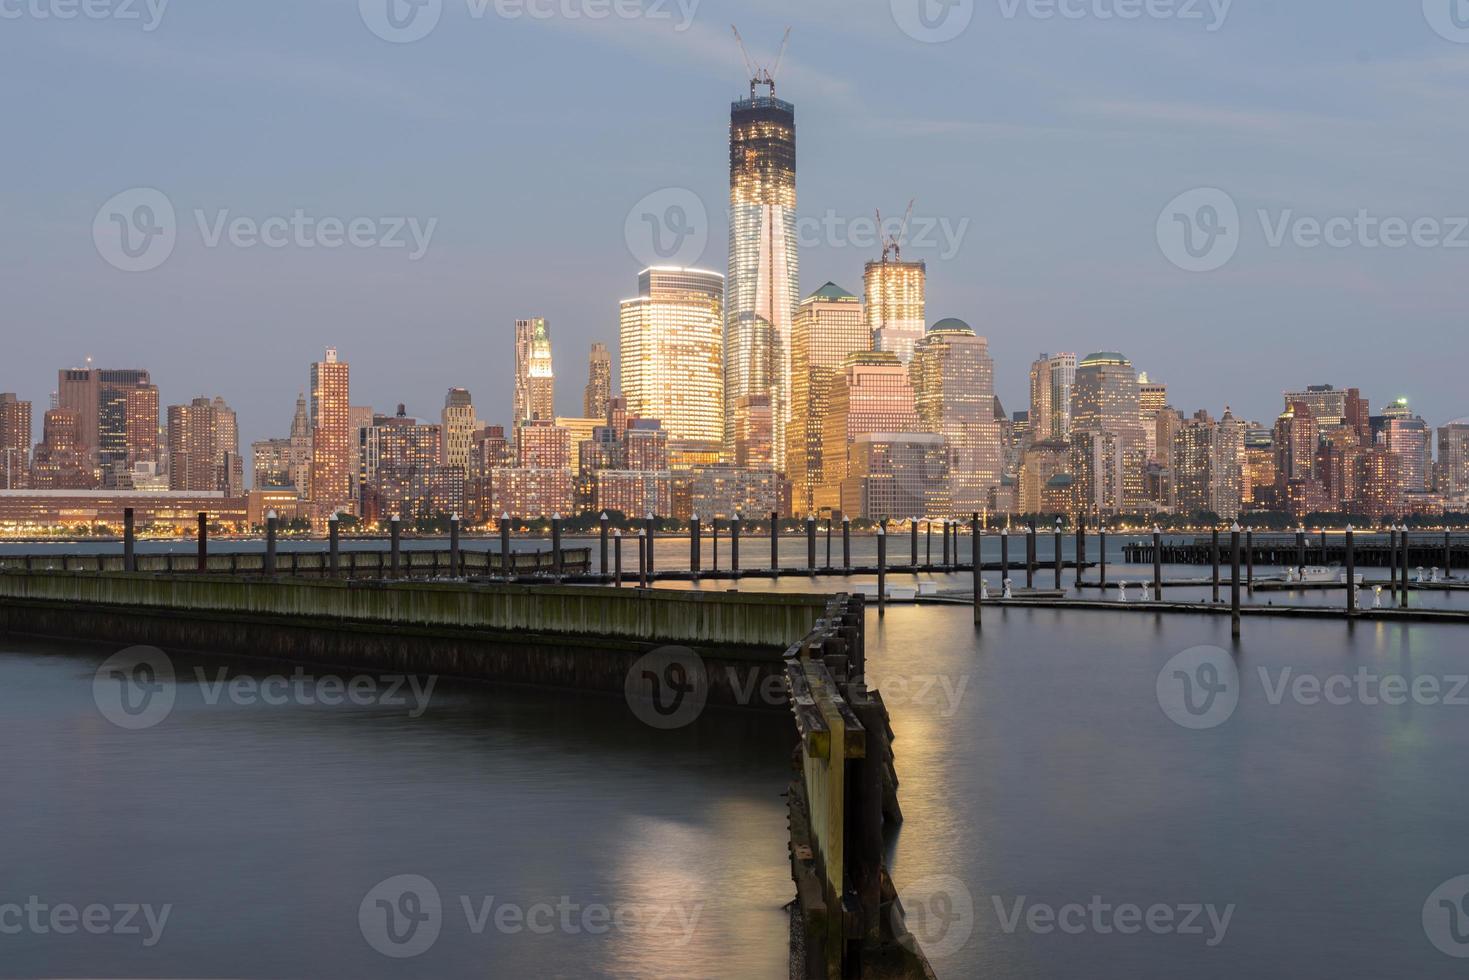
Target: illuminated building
953,381
203,448
34,510
762,291
1453,458
894,304
1380,485
78,391
828,326
1042,461
579,430
1260,477
61,463
671,349
634,493
1407,437
1296,435
872,394
896,475
15,442
528,492
599,382
401,459
721,492
1152,398
754,433
535,380
1051,379
1105,398
333,440
458,424
1096,465
127,418
542,445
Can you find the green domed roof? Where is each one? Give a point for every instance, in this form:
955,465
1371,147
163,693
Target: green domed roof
952,323
1105,357
831,291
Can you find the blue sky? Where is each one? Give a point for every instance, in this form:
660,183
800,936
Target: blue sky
1056,144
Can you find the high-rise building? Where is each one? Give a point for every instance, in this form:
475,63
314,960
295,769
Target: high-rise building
1051,379
458,426
118,392
953,380
872,394
78,390
15,442
1453,458
671,345
1328,404
535,380
895,305
1296,435
1408,438
1042,461
61,462
762,290
401,457
203,448
1105,398
828,326
599,380
893,475
1152,398
333,443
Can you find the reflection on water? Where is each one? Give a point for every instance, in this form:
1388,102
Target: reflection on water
264,826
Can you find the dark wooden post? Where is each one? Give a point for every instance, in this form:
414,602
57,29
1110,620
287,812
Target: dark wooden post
811,544
734,546
774,542
1301,550
1214,560
602,531
1392,560
1056,558
203,542
129,542
617,559
507,561
1250,559
976,576
334,545
846,544
1157,563
643,549
913,543
1351,573
882,568
944,529
1403,577
714,543
270,522
1448,555
1080,546
1102,550
694,546
454,560
828,545
1004,557
1030,556
928,544
1234,625
652,535
558,568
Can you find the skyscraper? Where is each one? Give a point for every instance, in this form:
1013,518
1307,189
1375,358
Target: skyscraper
15,441
871,394
895,304
535,381
203,447
458,427
828,327
670,351
1105,398
1453,457
954,386
333,446
599,382
1152,398
1051,378
762,290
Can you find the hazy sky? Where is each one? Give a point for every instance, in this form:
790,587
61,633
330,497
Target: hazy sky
1050,146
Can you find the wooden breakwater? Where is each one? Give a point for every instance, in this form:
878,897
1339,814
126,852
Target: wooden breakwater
1372,551
373,563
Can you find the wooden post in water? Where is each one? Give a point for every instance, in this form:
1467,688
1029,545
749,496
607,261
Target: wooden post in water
811,544
1351,573
643,550
129,542
828,545
203,542
507,561
976,577
334,544
928,544
1403,577
617,559
1448,555
602,522
1157,563
1214,560
1102,550
1392,560
694,546
882,568
1080,546
1056,547
734,546
648,545
557,568
846,544
1301,550
714,543
1004,557
913,543
395,532
455,569
774,542
1234,624
944,524
1250,560
1030,557
270,520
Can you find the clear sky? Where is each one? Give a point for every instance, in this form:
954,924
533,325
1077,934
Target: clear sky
1054,143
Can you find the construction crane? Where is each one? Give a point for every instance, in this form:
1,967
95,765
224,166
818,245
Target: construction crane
894,243
759,74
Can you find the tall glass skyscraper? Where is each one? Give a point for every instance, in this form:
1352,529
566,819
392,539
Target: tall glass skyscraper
761,292
535,380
